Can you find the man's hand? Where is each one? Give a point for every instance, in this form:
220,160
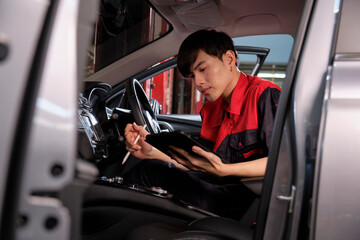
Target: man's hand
141,149
212,164
206,162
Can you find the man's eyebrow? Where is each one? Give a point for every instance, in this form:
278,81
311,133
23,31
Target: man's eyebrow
198,65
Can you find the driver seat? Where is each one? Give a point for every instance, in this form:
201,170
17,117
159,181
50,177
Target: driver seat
205,228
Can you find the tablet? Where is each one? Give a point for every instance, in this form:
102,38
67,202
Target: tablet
179,139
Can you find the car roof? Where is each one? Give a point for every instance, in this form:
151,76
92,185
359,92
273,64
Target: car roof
235,17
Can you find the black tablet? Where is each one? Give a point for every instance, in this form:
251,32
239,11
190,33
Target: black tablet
179,139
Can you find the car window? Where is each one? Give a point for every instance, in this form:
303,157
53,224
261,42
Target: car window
178,95
123,27
274,67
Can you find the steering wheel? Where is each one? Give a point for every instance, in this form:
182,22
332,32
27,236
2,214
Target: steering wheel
140,106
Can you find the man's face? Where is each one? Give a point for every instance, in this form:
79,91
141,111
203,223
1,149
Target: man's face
212,76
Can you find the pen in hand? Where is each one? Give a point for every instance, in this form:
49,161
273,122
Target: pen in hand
128,153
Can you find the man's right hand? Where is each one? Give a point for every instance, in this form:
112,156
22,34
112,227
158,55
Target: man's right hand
141,149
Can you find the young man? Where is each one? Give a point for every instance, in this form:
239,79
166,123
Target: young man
237,123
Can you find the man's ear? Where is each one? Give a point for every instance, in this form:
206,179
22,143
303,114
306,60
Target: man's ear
229,58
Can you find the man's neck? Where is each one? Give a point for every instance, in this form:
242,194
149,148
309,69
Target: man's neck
232,85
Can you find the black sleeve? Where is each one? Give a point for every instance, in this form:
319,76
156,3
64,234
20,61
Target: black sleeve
267,106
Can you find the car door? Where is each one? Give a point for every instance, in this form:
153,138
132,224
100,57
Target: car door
336,193
39,59
309,158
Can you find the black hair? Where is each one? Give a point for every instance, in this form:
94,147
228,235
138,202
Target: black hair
210,41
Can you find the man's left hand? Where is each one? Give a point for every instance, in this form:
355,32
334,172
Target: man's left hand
206,162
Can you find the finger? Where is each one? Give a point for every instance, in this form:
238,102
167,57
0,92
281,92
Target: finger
140,129
132,146
128,128
192,159
186,163
130,133
201,152
144,145
182,160
177,158
130,137
184,155
130,149
180,151
211,157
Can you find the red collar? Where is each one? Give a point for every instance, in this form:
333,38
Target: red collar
217,108
237,97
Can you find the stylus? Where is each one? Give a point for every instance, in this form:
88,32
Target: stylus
128,153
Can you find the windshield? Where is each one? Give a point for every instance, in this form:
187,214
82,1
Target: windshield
122,27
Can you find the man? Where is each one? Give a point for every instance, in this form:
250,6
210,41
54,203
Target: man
237,123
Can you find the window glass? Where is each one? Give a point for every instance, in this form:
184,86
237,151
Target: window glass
178,95
247,62
274,67
123,27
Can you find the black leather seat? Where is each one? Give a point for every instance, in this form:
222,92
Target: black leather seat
204,228
117,213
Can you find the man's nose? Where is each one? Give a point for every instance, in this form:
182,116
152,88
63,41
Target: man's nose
198,79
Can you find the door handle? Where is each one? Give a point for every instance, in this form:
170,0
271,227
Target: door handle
289,198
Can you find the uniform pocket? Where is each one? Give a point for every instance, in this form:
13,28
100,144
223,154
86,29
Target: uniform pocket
242,144
241,141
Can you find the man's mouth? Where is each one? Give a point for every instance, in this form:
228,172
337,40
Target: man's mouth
205,91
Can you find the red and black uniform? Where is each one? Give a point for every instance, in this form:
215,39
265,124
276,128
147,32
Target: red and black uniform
241,131
237,133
